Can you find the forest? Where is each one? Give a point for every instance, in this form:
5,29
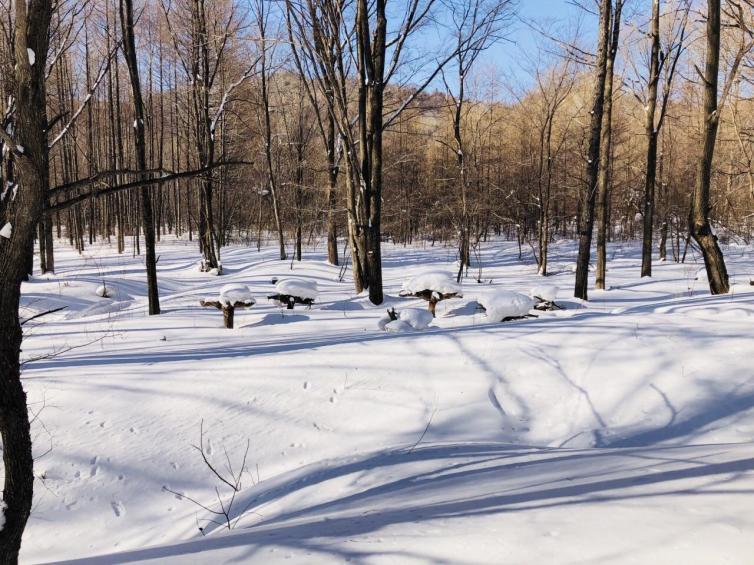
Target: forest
579,147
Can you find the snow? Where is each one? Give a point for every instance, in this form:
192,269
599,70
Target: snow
398,326
32,56
436,281
2,515
408,320
234,293
6,231
106,291
546,292
618,431
301,288
417,318
500,304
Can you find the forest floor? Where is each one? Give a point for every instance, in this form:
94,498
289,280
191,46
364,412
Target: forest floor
618,431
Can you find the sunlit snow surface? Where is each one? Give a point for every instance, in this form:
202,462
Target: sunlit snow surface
618,431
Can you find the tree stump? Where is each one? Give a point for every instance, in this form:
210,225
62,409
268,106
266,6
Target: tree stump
228,308
290,300
546,305
432,297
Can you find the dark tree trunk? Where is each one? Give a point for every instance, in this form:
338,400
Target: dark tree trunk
271,178
32,25
129,48
603,183
371,46
663,241
699,222
652,133
332,191
586,215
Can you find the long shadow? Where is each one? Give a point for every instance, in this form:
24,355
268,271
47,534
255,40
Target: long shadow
717,408
442,493
510,329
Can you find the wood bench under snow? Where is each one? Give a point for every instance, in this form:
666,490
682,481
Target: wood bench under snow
232,296
289,292
505,305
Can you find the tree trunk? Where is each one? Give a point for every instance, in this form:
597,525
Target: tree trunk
663,241
606,136
699,223
32,25
586,215
129,48
651,133
332,191
271,179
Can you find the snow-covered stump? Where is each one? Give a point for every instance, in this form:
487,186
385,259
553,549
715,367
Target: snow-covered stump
506,305
104,291
407,320
290,292
544,297
433,287
232,296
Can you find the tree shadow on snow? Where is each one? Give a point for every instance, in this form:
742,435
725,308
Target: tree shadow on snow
452,481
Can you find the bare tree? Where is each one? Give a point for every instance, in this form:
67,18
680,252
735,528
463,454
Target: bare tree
21,215
313,77
147,216
603,175
587,204
554,89
475,25
699,221
659,61
266,49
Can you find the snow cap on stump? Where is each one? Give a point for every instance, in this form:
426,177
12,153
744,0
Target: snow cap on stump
301,288
546,292
436,281
232,294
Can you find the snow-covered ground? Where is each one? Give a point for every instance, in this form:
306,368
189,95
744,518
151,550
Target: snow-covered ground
621,431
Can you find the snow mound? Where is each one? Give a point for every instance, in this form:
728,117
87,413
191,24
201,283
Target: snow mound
99,309
546,292
416,318
234,293
398,326
410,319
106,291
503,304
300,288
436,281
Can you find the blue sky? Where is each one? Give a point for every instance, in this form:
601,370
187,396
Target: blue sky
512,60
555,15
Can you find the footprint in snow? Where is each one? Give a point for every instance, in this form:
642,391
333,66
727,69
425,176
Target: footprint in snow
118,508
